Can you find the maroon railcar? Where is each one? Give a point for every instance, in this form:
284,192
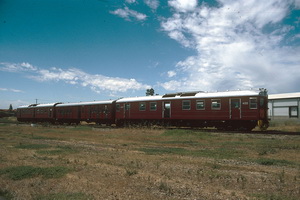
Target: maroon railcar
26,113
45,112
223,110
101,112
37,113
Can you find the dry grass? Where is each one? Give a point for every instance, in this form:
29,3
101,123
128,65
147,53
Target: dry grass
101,163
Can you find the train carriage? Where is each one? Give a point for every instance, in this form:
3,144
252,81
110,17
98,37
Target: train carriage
138,110
67,113
231,110
96,111
224,110
45,112
36,113
25,113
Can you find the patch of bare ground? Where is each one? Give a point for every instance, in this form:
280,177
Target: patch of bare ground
104,163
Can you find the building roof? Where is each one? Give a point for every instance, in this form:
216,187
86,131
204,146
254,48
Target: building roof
284,96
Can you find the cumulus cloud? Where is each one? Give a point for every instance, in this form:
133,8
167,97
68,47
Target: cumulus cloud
96,82
153,4
183,5
238,45
129,14
171,73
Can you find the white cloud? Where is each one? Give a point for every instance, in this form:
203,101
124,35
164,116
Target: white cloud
153,4
96,82
10,90
17,67
130,1
73,76
297,3
183,5
171,74
128,14
234,49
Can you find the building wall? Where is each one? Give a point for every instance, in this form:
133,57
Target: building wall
284,108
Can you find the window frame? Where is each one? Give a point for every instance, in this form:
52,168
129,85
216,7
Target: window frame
292,113
151,107
184,107
142,106
250,103
197,108
218,103
118,107
127,106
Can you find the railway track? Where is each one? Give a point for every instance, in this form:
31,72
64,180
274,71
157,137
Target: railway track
103,127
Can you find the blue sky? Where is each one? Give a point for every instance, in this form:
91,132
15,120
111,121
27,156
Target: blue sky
85,50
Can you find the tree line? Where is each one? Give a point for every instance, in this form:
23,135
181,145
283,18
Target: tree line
8,113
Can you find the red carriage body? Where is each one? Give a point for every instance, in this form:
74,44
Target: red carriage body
224,110
101,112
25,114
37,113
230,110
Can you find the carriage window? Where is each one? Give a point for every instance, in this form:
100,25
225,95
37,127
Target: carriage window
153,106
118,107
253,103
200,105
142,106
127,106
216,104
186,105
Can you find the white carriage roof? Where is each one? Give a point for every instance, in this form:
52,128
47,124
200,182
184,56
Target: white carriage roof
38,105
85,103
45,105
146,98
65,104
284,96
189,95
24,106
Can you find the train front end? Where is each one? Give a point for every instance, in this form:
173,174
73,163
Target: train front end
263,119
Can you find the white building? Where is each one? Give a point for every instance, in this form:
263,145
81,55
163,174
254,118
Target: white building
284,106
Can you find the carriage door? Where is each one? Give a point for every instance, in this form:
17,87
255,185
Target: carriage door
127,111
166,109
50,113
235,109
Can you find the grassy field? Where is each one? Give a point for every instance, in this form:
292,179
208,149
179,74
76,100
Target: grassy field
101,163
